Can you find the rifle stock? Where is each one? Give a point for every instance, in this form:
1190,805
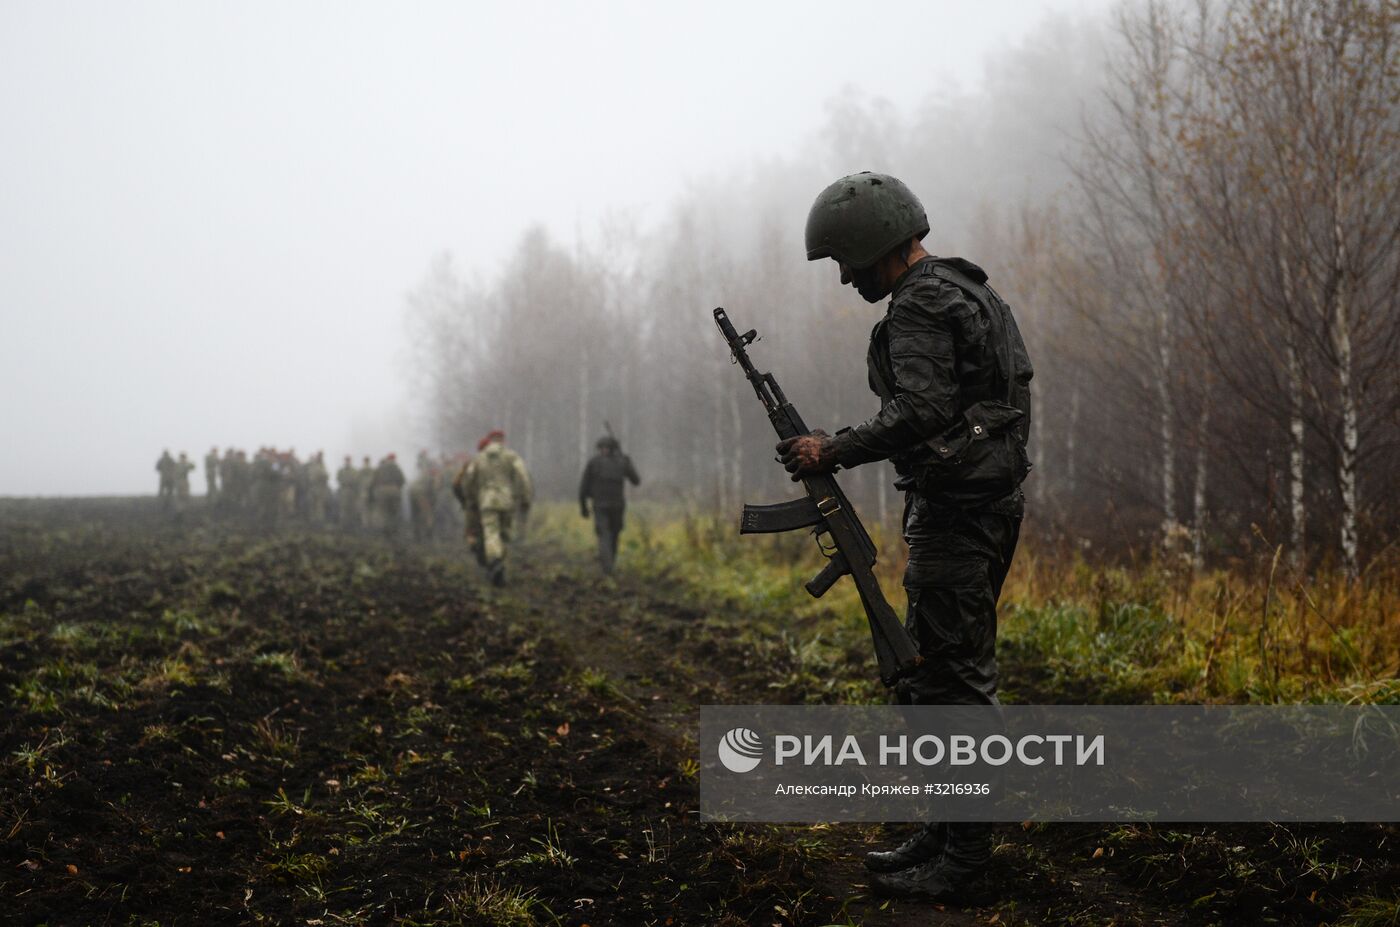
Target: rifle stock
827,511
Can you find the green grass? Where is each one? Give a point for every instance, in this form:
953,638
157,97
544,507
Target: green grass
1373,912
486,901
1160,630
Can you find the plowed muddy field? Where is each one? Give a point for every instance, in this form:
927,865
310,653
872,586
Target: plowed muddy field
205,725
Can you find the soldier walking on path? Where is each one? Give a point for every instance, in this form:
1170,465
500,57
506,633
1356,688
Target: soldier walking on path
228,488
953,377
347,494
183,467
239,485
211,476
491,487
318,481
366,484
422,498
603,483
386,490
266,488
165,468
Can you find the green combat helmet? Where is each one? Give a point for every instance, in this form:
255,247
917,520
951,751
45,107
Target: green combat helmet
862,217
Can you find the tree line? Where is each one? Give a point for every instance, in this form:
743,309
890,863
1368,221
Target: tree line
1192,210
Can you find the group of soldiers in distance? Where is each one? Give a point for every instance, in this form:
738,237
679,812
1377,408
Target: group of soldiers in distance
275,487
492,489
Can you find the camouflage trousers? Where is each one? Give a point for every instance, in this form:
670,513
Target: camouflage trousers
494,529
388,500
317,504
958,562
351,514
422,512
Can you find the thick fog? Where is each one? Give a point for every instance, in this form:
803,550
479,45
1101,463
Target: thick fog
210,214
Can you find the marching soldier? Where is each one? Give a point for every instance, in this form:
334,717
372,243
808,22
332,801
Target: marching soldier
347,494
387,491
603,483
242,481
183,468
266,487
211,476
294,494
318,488
366,484
228,495
491,488
165,468
422,498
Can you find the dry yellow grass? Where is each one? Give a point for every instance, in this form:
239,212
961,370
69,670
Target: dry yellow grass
1157,629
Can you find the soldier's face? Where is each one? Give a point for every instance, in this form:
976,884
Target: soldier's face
868,281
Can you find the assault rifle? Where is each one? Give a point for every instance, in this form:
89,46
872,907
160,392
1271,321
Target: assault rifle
827,511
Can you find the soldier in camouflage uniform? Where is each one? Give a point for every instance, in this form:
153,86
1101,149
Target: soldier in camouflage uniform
294,484
266,487
386,489
165,468
493,488
347,494
242,481
953,377
603,483
228,491
422,498
366,483
211,476
183,467
318,488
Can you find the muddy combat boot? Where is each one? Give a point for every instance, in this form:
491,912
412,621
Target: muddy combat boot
496,572
967,848
924,846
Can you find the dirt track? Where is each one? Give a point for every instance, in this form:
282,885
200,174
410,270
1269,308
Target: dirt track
211,727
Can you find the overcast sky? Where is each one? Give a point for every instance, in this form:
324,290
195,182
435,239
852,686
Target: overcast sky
210,213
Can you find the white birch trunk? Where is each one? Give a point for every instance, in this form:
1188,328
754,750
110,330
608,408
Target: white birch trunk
1167,425
1346,467
1198,496
1341,339
1297,511
1350,434
1296,459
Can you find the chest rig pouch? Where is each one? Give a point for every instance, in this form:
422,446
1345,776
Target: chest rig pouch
982,456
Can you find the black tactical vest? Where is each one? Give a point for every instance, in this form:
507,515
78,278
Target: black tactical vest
982,457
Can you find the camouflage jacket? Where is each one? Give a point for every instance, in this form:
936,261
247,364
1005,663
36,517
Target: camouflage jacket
388,474
494,480
953,377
